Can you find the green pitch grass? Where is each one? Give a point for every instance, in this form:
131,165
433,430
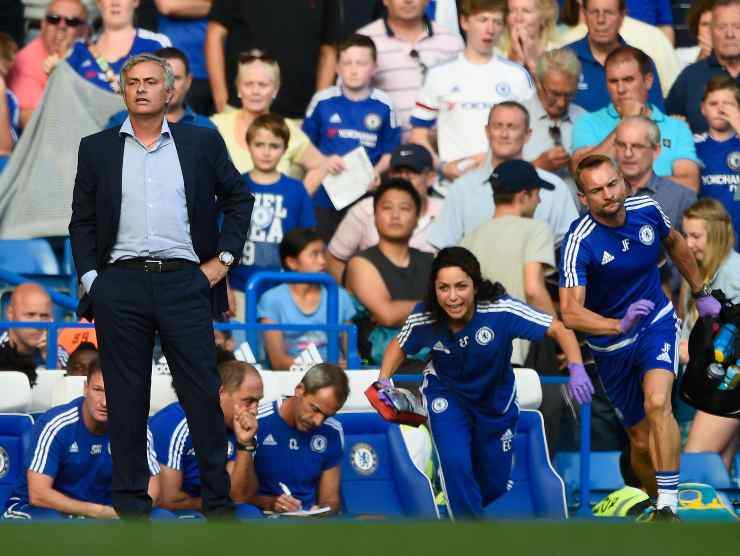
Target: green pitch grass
346,538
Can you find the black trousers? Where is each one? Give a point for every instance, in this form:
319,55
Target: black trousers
130,306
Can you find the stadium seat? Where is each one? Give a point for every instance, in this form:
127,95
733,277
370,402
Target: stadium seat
538,491
43,390
736,470
604,475
528,388
67,389
16,392
705,467
162,393
378,476
12,429
28,256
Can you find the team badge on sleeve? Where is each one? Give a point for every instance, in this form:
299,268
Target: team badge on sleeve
647,235
484,336
318,443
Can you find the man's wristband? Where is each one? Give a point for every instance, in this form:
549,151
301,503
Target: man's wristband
703,292
251,447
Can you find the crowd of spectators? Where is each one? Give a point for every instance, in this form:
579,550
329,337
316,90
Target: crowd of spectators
473,126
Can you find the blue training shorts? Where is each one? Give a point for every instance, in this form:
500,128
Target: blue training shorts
623,370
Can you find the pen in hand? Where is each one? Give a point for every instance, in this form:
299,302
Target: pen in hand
286,491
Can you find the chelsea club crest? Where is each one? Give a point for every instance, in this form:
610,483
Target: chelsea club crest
646,235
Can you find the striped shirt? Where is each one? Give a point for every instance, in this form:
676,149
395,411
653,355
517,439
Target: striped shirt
402,65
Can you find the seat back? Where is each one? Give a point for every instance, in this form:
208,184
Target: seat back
528,388
43,391
604,475
705,467
13,426
537,490
67,389
15,392
28,256
162,393
378,476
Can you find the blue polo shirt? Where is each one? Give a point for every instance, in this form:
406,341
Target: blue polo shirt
189,35
189,117
592,93
654,12
676,140
686,93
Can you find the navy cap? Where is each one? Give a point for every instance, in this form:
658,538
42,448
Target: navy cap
513,176
413,156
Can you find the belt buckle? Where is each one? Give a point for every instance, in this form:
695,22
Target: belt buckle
153,265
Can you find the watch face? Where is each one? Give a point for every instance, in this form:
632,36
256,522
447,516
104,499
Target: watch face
226,258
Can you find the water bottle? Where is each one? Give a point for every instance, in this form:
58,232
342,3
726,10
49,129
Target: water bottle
724,343
716,372
732,377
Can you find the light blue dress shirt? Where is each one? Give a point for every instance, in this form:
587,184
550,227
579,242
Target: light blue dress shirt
154,216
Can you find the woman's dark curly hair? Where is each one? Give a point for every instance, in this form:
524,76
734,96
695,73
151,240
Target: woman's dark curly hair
485,290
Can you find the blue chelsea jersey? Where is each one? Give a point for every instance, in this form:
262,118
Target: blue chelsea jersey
174,445
720,175
297,459
618,265
78,460
475,363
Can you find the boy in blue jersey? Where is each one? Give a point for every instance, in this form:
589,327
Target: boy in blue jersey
68,462
719,148
300,445
610,290
240,392
469,390
281,203
352,114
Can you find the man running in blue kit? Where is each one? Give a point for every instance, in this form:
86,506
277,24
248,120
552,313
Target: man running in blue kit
610,290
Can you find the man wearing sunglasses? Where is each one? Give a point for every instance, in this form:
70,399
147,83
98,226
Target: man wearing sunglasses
65,22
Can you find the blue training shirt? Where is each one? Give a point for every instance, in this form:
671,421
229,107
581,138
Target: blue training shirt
174,445
189,35
79,461
475,363
297,459
618,266
338,125
720,175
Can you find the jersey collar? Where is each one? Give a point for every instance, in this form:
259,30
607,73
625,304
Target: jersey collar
427,23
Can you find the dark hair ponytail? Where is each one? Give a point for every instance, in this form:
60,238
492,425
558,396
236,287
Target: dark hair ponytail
485,290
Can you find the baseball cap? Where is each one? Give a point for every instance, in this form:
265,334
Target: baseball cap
513,176
412,156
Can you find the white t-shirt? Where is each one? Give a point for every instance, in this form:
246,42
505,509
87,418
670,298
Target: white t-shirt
457,96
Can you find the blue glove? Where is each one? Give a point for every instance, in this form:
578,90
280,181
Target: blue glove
708,306
634,314
579,386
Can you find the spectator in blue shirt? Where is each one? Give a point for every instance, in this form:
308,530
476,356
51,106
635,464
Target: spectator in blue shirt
655,12
629,75
604,19
177,110
9,108
302,250
185,24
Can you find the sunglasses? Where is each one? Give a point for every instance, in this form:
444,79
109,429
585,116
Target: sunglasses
417,58
256,55
54,19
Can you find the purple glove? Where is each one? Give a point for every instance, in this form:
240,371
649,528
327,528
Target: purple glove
579,386
634,313
385,383
708,306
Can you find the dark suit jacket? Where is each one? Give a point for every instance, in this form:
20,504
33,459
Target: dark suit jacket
212,186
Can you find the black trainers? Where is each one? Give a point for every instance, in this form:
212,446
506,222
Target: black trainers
664,514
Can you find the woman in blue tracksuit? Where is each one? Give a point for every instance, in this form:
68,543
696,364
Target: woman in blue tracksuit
468,390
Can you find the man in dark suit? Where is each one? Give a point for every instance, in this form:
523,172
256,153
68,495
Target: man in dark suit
152,258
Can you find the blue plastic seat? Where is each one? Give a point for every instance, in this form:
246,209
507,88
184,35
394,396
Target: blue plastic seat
13,439
705,467
378,476
537,491
28,256
604,475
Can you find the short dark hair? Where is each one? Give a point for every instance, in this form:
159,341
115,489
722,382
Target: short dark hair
509,104
273,123
472,7
626,53
724,3
233,374
93,370
719,83
503,197
362,41
693,16
622,5
295,241
590,162
172,53
399,184
325,375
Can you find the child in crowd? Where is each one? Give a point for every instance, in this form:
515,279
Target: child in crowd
353,113
281,203
302,250
719,147
9,110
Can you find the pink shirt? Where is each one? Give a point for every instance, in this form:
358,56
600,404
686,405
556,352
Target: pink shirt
400,74
26,78
357,230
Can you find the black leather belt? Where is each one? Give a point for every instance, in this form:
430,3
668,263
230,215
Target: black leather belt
155,265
